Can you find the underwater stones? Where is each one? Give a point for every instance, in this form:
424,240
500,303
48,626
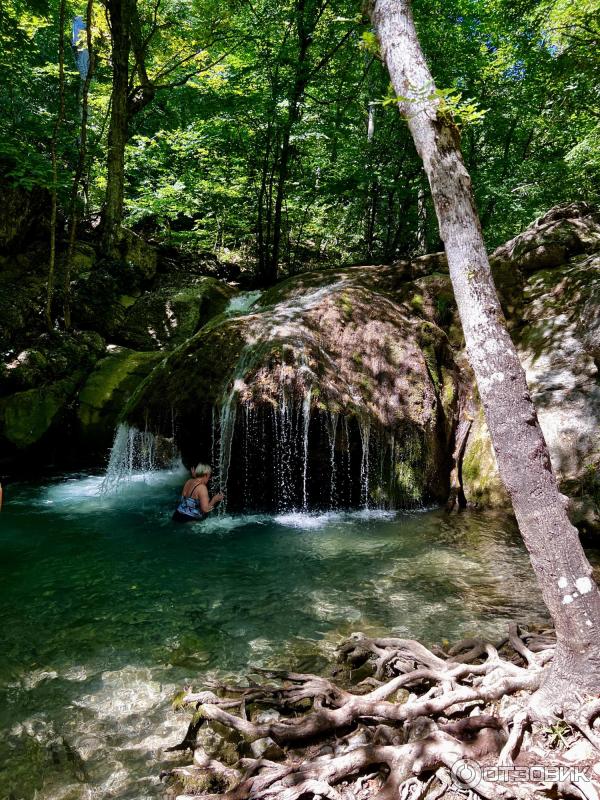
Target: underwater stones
107,390
169,315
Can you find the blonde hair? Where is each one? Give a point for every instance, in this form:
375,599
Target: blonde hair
202,469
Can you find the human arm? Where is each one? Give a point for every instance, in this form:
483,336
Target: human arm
207,504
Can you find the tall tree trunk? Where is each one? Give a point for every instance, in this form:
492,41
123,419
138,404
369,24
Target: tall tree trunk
306,20
54,156
81,157
118,13
562,569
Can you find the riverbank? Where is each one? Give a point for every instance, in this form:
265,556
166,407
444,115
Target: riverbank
395,720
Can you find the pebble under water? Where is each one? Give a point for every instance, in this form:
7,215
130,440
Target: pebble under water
107,608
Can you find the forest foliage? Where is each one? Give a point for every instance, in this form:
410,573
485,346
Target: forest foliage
266,130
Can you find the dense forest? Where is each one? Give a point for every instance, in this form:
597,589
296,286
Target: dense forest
267,134
320,281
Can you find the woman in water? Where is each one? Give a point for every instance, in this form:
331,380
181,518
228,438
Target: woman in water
195,503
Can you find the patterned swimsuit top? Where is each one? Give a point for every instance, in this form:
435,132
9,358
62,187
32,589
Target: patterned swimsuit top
190,506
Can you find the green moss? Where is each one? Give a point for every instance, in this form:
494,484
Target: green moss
480,476
416,302
448,390
109,387
170,315
430,357
127,300
26,416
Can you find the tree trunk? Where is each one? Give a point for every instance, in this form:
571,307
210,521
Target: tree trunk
81,157
119,122
562,569
54,157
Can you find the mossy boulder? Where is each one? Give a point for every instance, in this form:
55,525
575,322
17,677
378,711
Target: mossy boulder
481,481
25,417
107,391
169,315
140,256
23,212
556,328
51,357
563,232
335,342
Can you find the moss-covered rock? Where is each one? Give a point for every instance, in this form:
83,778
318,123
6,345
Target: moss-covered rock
556,328
138,254
52,357
563,232
25,417
337,341
169,315
107,391
23,212
481,481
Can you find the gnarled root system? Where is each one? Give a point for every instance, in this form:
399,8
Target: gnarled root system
423,723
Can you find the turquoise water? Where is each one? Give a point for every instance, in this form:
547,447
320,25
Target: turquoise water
107,608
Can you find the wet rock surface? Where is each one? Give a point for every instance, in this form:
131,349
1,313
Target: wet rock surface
345,385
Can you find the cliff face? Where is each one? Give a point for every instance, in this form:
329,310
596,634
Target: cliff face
549,280
336,387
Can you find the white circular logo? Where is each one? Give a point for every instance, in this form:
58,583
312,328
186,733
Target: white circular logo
466,773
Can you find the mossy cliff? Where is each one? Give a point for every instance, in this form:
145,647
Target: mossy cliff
337,344
350,365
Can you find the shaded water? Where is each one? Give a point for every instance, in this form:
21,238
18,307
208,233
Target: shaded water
107,608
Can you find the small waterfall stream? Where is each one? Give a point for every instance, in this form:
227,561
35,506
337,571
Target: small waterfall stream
134,454
276,438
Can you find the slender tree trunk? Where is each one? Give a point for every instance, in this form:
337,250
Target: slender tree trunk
118,12
421,221
562,569
54,156
306,22
80,166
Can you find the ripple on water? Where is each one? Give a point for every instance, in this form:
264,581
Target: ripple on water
107,609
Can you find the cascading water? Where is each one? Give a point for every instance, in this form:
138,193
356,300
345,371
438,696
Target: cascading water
365,436
288,432
134,454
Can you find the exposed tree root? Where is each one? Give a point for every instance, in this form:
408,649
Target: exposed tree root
422,724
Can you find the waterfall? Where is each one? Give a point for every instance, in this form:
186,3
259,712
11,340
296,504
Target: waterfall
332,431
305,429
365,436
134,453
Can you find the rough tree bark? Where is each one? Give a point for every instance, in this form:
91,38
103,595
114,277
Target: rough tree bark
81,158
119,19
562,569
54,157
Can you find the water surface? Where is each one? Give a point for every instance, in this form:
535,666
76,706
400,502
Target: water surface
107,608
